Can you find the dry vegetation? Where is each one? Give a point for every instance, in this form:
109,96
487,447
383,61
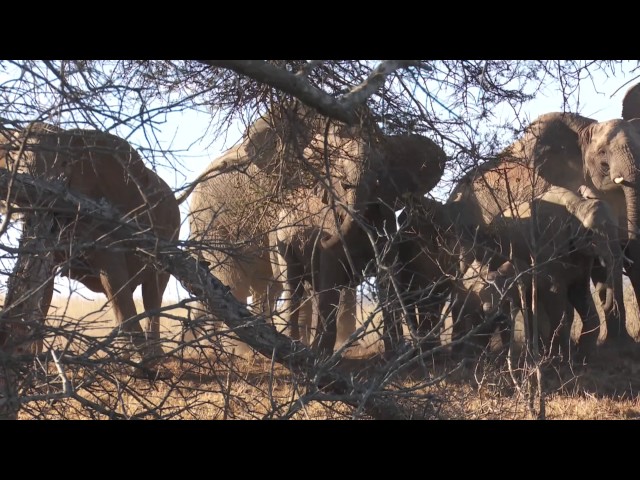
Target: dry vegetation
207,382
88,371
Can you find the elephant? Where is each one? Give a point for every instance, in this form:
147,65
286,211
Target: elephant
232,212
565,234
330,252
569,151
327,165
431,245
442,256
100,166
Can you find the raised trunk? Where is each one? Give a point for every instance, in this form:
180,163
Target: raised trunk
357,198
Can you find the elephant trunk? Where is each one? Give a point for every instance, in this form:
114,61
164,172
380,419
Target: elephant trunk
358,197
608,304
613,305
347,229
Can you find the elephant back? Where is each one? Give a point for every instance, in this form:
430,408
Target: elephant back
100,166
492,188
548,154
21,148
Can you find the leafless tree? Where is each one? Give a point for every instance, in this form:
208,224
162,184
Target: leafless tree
79,375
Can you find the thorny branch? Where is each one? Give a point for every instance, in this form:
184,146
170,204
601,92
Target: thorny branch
343,108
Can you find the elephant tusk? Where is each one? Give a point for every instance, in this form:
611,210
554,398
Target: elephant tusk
618,180
627,259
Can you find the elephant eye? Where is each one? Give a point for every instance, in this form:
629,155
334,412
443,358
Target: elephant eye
604,166
602,152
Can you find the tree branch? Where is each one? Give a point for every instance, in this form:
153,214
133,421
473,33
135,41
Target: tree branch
198,281
343,108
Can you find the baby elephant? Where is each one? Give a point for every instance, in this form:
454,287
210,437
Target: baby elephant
434,248
558,237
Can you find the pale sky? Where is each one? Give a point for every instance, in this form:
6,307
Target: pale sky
182,129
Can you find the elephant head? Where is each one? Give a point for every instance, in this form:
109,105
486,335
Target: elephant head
21,151
356,168
611,152
568,150
413,164
276,141
388,169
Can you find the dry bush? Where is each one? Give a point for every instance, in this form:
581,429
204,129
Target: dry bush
209,382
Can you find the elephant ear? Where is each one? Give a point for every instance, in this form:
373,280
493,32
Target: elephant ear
552,144
261,141
631,103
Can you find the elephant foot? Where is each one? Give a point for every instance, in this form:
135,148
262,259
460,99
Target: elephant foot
623,346
127,346
399,349
622,340
324,344
134,347
426,346
152,352
145,372
584,352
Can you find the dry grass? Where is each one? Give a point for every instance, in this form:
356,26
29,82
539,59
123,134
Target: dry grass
207,383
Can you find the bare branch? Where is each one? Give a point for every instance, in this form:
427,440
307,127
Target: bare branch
343,108
198,281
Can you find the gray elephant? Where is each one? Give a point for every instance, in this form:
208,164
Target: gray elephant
564,234
432,243
237,210
442,256
100,166
568,150
330,252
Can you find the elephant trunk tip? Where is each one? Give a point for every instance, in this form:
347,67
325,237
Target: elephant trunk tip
608,301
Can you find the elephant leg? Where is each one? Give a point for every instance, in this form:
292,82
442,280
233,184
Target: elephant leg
552,314
330,281
296,289
633,272
346,314
45,303
466,311
114,277
326,331
152,292
274,290
305,319
429,316
581,299
392,326
289,272
291,298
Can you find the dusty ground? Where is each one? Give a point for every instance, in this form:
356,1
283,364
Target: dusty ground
206,383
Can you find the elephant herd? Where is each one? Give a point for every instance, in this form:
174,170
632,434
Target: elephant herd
304,208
